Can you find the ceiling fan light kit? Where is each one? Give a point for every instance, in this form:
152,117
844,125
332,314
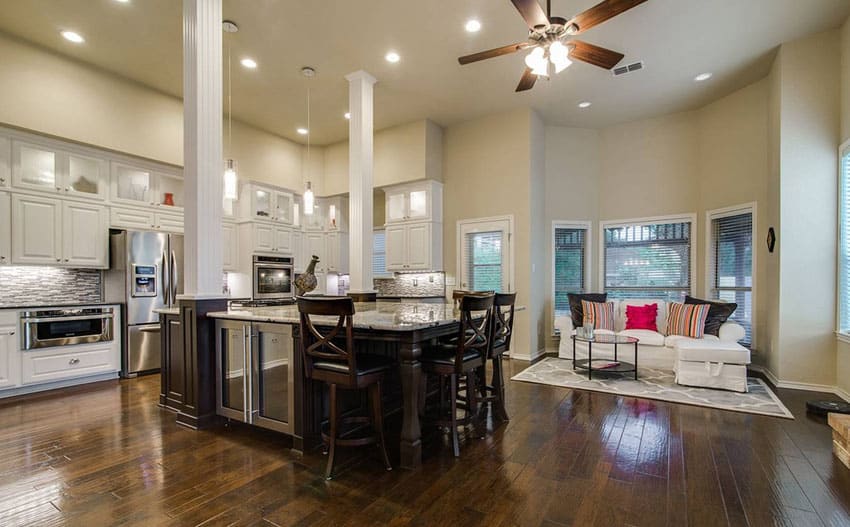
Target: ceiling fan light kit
551,38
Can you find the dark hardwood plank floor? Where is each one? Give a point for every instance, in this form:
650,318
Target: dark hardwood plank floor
105,454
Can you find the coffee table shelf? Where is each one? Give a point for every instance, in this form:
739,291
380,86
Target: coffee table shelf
615,340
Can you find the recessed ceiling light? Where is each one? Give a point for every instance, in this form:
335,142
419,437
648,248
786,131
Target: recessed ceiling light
302,131
249,63
71,36
703,77
472,26
393,57
584,104
123,1
347,115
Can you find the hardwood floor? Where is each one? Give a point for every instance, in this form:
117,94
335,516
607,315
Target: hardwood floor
107,455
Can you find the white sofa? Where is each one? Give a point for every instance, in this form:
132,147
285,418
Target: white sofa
655,349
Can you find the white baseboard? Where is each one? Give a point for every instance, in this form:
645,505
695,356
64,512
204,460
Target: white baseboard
804,386
33,388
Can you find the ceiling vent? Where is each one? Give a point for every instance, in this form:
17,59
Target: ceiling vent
630,68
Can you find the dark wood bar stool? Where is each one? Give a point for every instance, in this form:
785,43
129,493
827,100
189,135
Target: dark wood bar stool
332,358
503,328
463,357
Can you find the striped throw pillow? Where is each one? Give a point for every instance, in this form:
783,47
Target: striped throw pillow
598,314
687,319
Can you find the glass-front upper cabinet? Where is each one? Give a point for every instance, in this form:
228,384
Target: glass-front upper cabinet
169,190
283,207
132,184
39,167
262,203
35,167
266,203
396,206
417,206
414,201
85,176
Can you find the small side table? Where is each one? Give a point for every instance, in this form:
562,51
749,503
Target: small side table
587,364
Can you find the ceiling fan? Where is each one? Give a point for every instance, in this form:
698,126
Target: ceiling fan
550,39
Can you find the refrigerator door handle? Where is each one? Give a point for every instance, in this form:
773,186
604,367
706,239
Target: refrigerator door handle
256,371
173,278
166,297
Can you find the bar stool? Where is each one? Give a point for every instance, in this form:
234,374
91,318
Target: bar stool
462,357
332,358
503,328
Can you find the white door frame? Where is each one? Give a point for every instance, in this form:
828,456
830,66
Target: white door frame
486,225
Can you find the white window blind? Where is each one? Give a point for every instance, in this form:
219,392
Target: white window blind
569,251
483,254
731,266
844,246
648,260
379,253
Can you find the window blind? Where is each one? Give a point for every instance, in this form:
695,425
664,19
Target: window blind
569,250
483,254
648,260
731,265
844,246
379,253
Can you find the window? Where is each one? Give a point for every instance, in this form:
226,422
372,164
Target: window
844,244
730,263
484,250
648,259
379,254
570,263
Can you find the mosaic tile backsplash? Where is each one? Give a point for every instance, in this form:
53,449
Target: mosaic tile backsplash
412,284
49,286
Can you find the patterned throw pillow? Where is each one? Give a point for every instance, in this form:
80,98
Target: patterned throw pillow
687,319
598,314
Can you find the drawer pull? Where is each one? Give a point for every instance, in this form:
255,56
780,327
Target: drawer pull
74,361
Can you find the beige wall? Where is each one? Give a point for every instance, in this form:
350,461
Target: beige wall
407,152
842,354
487,172
50,94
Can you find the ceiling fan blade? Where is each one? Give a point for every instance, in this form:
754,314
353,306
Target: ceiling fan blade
526,82
601,12
531,12
495,52
602,57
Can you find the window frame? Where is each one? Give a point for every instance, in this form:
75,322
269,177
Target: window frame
386,274
725,212
587,226
842,252
652,220
481,224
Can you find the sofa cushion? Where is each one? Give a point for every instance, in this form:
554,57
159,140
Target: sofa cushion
575,304
717,351
686,319
642,317
598,314
718,313
647,337
671,340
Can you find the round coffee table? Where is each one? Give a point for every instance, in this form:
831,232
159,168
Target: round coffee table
620,367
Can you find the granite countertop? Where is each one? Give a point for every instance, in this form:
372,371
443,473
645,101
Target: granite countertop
368,315
409,296
167,311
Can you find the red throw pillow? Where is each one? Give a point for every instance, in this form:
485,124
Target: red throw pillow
642,317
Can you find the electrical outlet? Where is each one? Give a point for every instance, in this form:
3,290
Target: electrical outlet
415,281
431,278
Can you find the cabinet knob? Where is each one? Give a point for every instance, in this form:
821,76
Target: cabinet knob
67,189
74,361
2,257
11,333
157,226
58,188
66,259
2,180
59,259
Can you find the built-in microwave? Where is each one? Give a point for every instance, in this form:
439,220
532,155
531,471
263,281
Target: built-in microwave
273,278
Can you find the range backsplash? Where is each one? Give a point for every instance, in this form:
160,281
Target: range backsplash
49,286
412,284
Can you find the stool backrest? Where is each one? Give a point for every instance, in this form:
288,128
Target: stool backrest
475,334
503,321
336,345
458,294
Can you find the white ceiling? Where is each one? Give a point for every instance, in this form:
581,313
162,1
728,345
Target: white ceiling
141,40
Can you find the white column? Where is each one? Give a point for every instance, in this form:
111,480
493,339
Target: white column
360,136
202,155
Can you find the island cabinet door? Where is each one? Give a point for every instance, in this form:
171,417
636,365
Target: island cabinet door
231,372
271,377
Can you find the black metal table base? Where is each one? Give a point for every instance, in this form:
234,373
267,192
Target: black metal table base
587,364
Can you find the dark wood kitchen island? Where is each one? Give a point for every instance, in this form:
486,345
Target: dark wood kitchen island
398,329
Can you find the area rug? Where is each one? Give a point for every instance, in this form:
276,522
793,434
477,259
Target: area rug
656,384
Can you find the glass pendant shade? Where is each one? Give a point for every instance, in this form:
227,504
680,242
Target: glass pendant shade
308,200
536,60
559,55
231,180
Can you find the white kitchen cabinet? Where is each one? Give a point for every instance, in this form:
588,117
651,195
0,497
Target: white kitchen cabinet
230,247
266,203
5,162
315,245
10,371
336,211
36,230
83,176
66,362
85,236
414,247
139,185
283,240
336,250
131,219
420,201
165,222
47,169
5,228
263,237
55,232
299,252
317,220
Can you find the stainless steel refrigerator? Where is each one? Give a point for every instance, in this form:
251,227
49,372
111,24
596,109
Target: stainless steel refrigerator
145,273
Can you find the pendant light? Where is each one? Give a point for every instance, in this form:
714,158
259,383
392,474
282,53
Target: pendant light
231,179
309,199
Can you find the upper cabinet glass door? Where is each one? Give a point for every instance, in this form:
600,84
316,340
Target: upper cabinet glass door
169,191
283,207
418,204
131,184
396,206
262,201
86,176
34,167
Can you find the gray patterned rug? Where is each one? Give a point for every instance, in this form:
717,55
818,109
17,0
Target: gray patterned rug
656,384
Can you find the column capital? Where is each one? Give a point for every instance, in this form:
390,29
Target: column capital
360,75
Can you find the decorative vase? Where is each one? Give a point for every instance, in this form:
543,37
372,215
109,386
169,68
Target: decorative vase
168,199
306,281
